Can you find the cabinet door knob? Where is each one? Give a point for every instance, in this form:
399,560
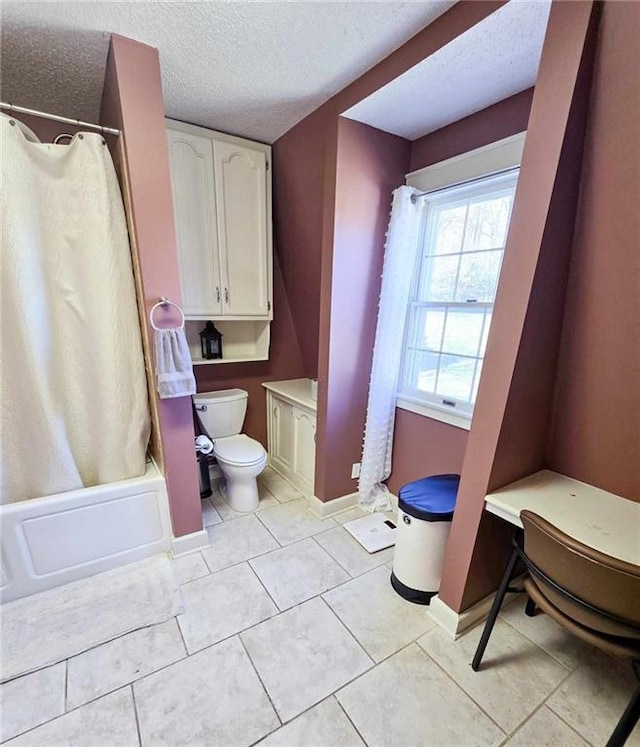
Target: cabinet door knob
226,295
217,294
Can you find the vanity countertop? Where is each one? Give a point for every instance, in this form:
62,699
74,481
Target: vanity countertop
297,391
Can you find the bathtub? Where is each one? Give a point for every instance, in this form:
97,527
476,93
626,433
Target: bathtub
51,541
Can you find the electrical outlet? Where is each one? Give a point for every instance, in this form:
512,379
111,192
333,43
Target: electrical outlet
355,471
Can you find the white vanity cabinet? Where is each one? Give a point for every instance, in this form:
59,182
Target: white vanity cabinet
291,432
221,188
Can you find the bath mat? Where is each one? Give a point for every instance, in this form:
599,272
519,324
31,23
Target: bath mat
51,626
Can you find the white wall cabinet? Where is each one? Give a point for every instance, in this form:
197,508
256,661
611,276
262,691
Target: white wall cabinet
222,207
291,432
243,225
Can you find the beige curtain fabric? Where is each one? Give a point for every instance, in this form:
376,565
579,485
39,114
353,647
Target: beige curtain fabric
74,396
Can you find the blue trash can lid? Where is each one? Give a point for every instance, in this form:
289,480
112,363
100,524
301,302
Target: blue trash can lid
430,499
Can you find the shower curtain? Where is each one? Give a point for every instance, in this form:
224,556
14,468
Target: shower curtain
397,276
74,395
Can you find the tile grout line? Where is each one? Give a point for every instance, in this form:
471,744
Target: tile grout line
204,648
184,643
66,684
166,666
335,560
271,534
464,691
135,713
542,703
276,605
318,594
138,679
535,643
564,721
62,715
188,555
359,575
264,687
393,653
343,709
523,723
364,650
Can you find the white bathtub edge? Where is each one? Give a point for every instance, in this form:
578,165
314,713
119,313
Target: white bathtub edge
54,540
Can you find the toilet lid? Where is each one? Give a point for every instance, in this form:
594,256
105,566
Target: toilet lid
238,449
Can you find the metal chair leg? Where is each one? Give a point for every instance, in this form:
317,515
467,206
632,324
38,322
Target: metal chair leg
530,609
495,608
629,718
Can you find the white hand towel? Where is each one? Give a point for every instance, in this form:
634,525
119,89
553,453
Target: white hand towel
174,369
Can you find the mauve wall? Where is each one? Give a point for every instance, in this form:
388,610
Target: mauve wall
298,184
506,118
285,362
596,437
304,177
305,174
422,446
370,165
133,102
512,411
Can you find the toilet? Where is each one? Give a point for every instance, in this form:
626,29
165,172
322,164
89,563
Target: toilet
241,459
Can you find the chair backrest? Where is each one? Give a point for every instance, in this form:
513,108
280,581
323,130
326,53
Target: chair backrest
602,593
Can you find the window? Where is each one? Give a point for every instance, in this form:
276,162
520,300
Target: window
449,314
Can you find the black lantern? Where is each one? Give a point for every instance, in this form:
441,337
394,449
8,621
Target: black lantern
211,342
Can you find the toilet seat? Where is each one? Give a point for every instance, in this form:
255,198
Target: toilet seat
238,450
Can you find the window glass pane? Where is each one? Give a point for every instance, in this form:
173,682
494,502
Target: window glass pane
455,377
448,230
440,278
478,276
462,331
420,370
487,223
429,327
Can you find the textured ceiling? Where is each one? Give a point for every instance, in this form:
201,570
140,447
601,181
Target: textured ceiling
494,59
250,68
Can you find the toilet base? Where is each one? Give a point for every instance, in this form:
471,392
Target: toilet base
241,495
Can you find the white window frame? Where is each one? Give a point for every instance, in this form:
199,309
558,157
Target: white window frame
482,162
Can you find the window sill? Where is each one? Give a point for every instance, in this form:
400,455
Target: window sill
456,419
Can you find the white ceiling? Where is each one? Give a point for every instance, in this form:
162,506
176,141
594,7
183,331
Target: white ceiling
249,68
494,59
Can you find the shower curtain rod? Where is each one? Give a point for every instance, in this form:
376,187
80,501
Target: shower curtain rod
58,118
464,183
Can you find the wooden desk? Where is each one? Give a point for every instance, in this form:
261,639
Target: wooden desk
596,518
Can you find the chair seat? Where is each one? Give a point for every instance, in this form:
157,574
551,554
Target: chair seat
628,648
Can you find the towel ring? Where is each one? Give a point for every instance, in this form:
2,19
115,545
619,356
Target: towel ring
166,302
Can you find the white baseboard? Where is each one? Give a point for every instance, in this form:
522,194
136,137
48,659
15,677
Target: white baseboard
324,510
189,543
458,623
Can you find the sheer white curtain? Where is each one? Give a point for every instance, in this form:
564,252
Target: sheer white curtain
399,262
74,396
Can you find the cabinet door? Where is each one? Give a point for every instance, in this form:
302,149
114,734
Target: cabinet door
194,204
304,448
241,193
281,448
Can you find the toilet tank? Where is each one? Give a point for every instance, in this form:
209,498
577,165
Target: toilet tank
221,414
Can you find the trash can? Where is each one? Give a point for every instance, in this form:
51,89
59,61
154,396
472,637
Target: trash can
425,511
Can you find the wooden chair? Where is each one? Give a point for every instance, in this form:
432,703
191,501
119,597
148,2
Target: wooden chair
590,594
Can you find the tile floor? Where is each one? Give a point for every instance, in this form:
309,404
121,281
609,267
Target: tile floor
292,636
